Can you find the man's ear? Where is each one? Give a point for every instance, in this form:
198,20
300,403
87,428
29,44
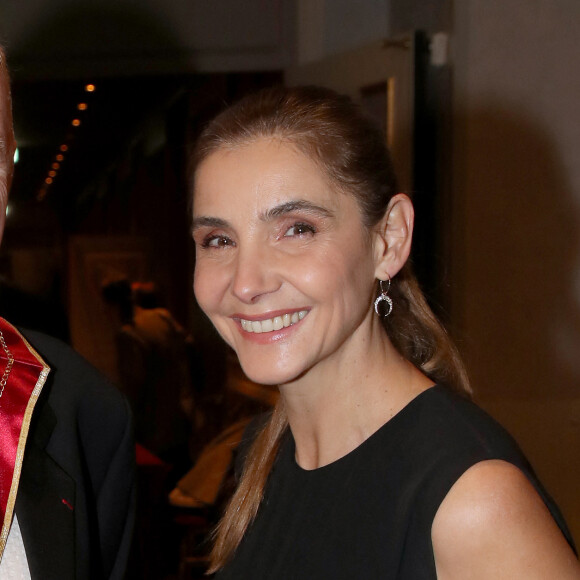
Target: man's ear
393,236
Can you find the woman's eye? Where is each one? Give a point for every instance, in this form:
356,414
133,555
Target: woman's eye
299,230
217,242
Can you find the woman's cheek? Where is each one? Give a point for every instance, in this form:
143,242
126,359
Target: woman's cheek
202,287
209,284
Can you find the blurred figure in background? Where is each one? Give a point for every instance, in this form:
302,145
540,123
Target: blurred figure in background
210,482
152,361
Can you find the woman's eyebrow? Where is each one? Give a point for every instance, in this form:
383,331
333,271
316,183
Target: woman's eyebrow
208,222
272,213
293,206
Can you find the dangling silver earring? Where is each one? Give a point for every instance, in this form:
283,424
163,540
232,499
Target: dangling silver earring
384,297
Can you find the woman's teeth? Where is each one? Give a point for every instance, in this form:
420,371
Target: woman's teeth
271,324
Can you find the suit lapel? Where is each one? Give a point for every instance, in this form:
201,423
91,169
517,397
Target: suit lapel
45,505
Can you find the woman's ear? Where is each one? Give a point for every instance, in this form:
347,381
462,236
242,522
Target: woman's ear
393,236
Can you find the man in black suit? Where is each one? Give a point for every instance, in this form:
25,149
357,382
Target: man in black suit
67,477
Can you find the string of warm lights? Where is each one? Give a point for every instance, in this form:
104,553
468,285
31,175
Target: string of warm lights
63,149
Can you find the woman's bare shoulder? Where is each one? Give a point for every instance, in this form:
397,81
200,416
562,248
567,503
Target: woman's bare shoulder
493,524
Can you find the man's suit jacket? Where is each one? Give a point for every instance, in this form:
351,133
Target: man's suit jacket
76,498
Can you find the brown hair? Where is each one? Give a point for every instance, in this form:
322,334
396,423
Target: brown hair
331,130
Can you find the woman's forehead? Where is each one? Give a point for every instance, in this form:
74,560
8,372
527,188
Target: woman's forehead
260,170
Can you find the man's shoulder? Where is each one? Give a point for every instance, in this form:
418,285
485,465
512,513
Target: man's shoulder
73,381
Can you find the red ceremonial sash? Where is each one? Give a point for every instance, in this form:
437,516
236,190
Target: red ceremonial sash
22,376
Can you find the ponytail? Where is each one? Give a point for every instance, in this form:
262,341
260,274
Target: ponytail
243,506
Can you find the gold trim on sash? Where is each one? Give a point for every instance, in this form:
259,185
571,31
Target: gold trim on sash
22,442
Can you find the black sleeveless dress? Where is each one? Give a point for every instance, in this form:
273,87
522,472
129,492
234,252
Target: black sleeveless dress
369,514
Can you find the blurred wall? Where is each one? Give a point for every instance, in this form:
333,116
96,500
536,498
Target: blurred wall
70,38
516,250
321,29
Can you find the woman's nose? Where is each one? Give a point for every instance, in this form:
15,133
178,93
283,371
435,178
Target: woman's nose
255,275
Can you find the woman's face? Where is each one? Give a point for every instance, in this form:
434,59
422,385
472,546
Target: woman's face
284,265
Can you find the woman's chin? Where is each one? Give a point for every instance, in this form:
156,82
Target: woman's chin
267,375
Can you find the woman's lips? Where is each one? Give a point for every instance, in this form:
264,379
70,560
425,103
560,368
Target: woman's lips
272,324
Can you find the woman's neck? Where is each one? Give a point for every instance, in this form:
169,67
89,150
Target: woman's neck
339,403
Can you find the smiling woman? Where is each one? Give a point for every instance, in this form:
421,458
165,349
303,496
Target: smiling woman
282,277
374,464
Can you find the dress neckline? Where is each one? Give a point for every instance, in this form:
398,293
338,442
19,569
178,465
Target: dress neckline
378,435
